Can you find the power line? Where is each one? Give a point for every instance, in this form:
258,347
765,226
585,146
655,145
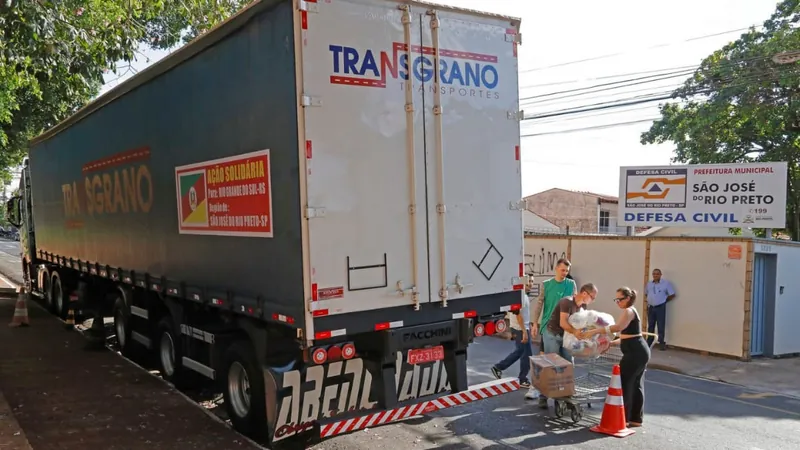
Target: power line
608,77
575,93
648,90
652,97
589,116
611,55
743,81
651,78
607,86
601,106
595,127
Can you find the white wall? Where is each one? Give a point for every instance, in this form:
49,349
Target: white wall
609,264
708,312
787,305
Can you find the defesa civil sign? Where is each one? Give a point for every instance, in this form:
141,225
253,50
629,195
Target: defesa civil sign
709,195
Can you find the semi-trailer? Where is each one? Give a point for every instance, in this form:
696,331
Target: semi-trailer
316,204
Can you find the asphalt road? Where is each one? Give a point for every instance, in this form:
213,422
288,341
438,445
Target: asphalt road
681,413
10,248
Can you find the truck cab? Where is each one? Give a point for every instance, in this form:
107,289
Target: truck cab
20,214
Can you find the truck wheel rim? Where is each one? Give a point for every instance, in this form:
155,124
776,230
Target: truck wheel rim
120,327
167,354
239,389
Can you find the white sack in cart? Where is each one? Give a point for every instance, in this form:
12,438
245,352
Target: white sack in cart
595,345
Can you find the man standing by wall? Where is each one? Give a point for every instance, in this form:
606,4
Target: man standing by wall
553,290
657,293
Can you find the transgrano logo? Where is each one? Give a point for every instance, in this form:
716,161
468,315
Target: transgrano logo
464,74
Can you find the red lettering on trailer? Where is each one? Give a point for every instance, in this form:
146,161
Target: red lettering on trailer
291,429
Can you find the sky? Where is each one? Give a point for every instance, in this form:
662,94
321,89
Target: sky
643,36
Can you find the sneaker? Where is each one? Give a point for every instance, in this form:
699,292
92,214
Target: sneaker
542,403
532,394
497,372
662,346
524,384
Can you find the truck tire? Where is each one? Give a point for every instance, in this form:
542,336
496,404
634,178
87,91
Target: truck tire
243,390
57,296
48,293
122,326
170,353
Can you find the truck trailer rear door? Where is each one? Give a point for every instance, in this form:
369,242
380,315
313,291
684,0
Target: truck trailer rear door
365,161
472,141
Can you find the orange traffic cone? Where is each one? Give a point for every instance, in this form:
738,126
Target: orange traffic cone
612,422
20,310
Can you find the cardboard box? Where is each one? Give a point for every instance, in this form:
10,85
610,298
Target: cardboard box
552,375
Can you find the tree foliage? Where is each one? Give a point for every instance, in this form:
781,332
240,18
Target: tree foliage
54,53
740,106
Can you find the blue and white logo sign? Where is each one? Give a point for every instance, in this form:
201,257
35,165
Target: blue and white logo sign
713,195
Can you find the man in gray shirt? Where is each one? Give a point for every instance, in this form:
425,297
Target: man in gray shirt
657,293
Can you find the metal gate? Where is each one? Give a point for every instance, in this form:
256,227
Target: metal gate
758,304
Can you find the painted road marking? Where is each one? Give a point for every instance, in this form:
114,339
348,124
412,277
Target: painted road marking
722,397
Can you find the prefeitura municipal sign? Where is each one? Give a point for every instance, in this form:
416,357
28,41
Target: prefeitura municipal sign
713,195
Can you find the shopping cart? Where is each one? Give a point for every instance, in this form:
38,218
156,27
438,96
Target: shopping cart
593,386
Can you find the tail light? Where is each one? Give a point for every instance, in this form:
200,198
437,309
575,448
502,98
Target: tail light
480,330
500,326
348,351
489,328
319,355
333,353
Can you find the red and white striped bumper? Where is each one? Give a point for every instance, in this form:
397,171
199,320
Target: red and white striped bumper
474,393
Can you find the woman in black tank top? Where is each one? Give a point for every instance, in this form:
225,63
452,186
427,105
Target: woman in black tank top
635,354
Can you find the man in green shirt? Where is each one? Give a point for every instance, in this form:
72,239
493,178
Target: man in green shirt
552,291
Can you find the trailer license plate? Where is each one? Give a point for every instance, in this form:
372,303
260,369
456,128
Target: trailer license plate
425,355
